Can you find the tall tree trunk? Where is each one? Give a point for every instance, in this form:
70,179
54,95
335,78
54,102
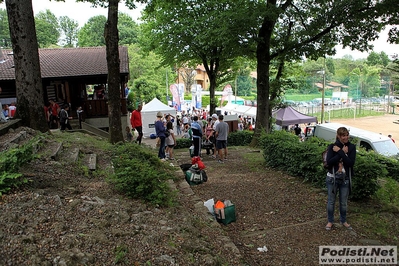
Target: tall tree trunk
28,79
263,112
212,69
212,87
114,82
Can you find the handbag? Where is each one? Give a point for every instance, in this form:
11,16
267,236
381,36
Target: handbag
207,144
225,212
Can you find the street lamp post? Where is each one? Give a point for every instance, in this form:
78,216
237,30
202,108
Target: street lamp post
323,96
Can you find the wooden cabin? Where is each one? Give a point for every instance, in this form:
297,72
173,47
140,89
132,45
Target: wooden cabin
77,76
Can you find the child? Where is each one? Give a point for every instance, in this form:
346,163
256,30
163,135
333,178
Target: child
129,135
170,141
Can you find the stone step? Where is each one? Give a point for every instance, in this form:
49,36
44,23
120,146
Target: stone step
71,155
57,151
91,161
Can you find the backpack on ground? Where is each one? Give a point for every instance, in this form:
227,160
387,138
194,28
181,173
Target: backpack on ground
195,176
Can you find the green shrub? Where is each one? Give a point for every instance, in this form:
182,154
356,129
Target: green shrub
183,143
388,192
10,180
141,175
11,161
240,138
283,151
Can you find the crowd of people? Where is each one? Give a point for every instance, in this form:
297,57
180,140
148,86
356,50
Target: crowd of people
205,133
57,116
8,111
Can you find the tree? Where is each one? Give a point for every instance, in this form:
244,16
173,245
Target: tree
196,32
27,66
128,29
112,40
375,59
114,82
147,67
47,29
188,75
4,30
92,33
69,28
146,90
292,29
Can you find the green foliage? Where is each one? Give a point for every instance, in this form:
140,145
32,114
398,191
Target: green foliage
146,90
10,162
182,143
5,39
182,42
283,151
240,138
47,29
141,175
128,29
388,192
120,254
92,33
10,180
148,75
69,27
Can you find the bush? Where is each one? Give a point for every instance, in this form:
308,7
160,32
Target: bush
240,138
182,143
141,175
388,192
11,161
283,151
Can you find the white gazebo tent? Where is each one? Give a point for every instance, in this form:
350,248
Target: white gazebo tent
149,115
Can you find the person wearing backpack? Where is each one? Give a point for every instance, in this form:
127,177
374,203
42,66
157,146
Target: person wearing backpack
340,160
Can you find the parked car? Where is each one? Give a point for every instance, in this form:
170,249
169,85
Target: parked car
361,138
303,104
289,103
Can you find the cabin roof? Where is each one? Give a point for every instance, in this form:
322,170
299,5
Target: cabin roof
67,62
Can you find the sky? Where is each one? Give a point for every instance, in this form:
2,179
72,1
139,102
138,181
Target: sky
81,12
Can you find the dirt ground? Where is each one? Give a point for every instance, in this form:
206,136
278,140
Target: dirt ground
68,217
380,124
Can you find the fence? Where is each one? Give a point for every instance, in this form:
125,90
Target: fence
344,111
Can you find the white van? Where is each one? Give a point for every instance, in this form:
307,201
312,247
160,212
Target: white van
366,139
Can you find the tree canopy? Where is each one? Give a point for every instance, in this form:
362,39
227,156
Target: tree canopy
47,29
196,32
69,28
92,33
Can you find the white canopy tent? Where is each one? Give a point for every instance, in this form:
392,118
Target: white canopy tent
149,115
240,109
251,112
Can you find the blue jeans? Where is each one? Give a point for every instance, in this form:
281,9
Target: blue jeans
341,187
161,151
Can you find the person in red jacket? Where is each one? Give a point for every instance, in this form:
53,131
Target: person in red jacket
135,121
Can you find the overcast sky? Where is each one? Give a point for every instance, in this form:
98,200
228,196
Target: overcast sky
81,12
